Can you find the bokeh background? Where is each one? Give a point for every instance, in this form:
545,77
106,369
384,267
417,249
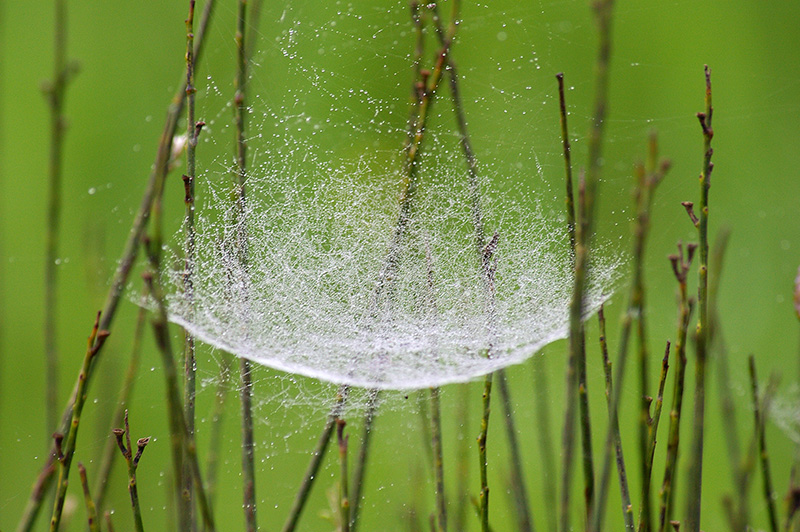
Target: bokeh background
334,78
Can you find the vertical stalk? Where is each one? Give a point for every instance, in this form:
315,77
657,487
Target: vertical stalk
438,467
647,179
680,267
569,197
133,463
545,441
583,230
182,442
55,92
65,446
695,479
361,463
186,502
760,411
91,509
462,457
517,480
316,459
625,494
109,450
483,499
245,371
344,500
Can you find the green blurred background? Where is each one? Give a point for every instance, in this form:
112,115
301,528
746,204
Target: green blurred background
345,67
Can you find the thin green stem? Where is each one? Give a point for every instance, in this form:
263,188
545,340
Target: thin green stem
186,505
65,446
55,97
760,411
654,421
182,442
625,494
583,230
680,266
545,435
110,448
462,457
55,93
695,478
91,509
740,511
246,392
316,459
647,179
363,454
516,479
569,197
438,463
124,264
482,437
217,418
133,463
344,499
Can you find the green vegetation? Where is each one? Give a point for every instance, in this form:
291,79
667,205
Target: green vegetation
394,87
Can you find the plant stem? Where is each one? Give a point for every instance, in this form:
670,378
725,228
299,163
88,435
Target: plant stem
124,264
462,460
91,509
517,480
625,495
217,417
545,440
647,179
363,454
760,411
181,440
680,267
65,447
246,392
695,479
484,493
316,459
186,502
569,198
438,467
583,230
109,450
133,463
344,500
55,92
739,507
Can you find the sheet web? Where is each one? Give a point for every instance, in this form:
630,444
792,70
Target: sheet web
330,92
